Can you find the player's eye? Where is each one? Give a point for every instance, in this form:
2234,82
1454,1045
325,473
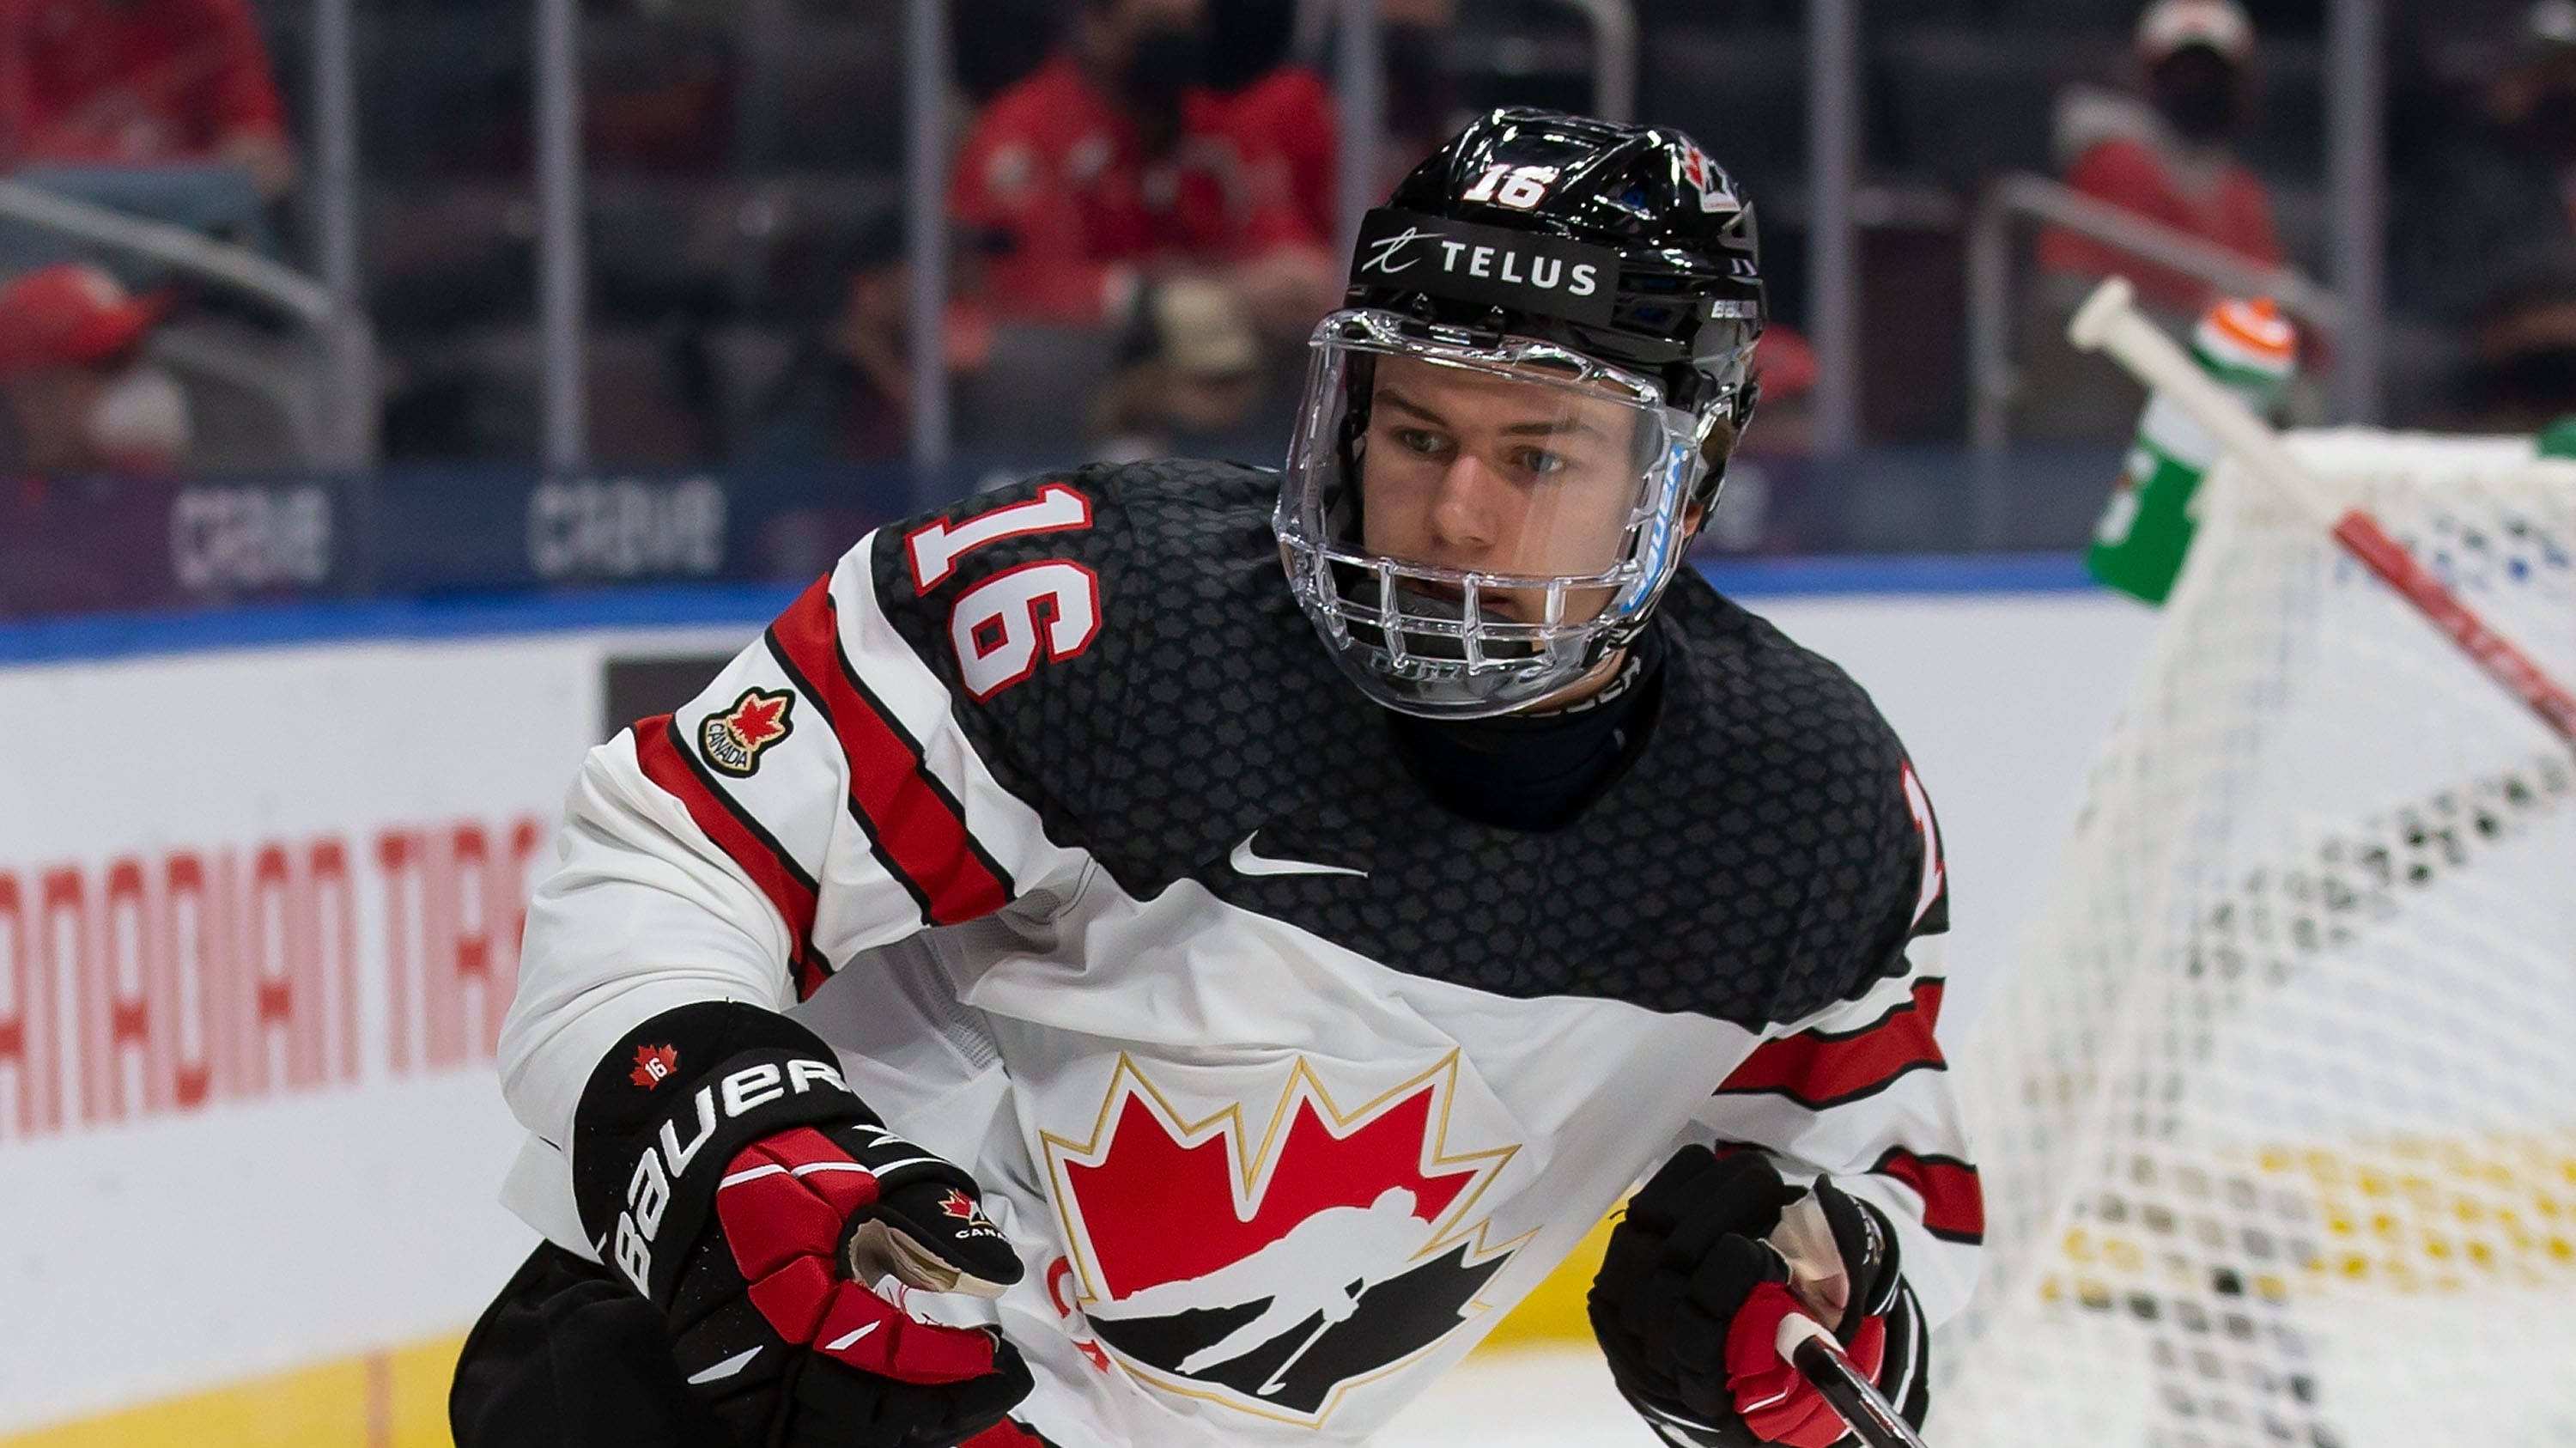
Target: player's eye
1421,441
1538,462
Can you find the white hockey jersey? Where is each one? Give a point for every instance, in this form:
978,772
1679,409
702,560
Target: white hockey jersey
1051,815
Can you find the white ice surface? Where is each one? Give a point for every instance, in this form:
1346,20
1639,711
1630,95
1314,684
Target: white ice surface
1541,1397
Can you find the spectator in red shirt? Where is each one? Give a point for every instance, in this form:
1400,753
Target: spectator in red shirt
76,396
1276,102
1113,163
2163,153
140,83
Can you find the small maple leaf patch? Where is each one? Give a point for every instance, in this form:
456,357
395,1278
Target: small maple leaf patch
732,741
653,1064
959,1205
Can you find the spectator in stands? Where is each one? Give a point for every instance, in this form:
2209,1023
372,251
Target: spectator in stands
1190,376
121,83
2522,353
2163,151
1275,104
1274,100
1114,163
2493,221
846,393
1423,106
76,395
1281,101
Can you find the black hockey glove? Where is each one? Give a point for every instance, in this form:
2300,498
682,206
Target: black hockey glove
723,1168
1691,1293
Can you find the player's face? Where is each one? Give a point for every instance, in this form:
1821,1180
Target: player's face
1468,470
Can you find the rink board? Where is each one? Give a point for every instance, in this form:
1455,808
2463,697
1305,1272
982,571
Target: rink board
259,892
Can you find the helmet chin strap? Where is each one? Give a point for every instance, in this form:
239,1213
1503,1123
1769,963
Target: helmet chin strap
1599,677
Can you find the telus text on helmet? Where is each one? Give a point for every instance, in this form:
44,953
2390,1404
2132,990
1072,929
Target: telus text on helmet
1580,279
1491,265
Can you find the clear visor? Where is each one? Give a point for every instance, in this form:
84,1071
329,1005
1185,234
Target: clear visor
1454,510
1519,465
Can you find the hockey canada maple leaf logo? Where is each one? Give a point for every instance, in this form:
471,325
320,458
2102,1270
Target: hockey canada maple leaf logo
959,1205
653,1065
1270,1265
733,740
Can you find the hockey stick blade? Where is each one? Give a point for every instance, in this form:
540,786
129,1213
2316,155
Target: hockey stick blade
2109,322
1819,1359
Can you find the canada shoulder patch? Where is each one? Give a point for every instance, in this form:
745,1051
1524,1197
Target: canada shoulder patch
654,1065
733,740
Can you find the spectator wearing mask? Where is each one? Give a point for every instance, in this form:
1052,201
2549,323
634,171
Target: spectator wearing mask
1276,104
125,83
76,395
2163,151
1275,100
1114,163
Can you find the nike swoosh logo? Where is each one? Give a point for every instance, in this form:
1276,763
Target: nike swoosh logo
728,1367
1245,862
853,1335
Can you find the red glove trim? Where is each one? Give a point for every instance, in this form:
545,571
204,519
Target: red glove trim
783,1203
1772,1397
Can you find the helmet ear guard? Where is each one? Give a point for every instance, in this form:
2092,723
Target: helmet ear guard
1725,430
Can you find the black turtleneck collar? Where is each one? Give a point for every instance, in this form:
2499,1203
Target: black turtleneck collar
1537,771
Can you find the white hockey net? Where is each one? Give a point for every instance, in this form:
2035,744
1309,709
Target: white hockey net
2276,1099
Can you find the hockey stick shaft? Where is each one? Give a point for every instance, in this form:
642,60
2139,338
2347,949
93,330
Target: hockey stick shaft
2109,322
1819,1359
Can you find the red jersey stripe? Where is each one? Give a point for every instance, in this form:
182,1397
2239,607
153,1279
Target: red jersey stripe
918,828
665,761
1954,1202
1826,1068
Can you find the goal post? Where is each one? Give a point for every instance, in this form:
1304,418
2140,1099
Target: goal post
2275,1094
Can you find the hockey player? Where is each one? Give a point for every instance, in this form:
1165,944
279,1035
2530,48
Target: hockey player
1268,985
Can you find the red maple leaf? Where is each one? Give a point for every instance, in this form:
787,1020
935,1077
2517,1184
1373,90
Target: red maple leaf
755,720
959,1205
653,1064
1157,1211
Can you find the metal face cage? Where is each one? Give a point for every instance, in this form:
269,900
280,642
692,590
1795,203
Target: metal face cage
1423,635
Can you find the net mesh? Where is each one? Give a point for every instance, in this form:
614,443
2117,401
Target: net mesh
2276,1101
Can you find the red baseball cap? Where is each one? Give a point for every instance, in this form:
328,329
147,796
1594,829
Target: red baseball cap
69,314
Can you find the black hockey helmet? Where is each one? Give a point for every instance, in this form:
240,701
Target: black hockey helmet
1683,303
1584,261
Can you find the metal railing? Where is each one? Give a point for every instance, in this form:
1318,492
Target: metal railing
1993,381
1614,57
1834,79
253,371
328,391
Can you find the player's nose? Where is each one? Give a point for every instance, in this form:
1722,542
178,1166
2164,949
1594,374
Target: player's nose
1466,512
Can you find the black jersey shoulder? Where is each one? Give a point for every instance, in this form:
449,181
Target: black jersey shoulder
1798,785
1756,862
1161,539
